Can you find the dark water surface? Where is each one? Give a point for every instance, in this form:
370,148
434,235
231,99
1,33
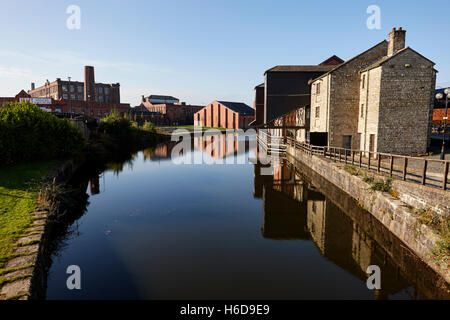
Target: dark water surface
157,230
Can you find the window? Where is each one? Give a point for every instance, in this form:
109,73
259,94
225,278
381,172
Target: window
64,88
317,112
106,90
318,88
100,99
72,88
363,81
65,96
72,97
80,97
80,89
362,110
100,90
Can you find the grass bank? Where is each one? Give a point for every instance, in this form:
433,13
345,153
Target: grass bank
19,186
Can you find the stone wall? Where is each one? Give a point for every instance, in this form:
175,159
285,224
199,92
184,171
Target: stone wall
393,213
407,88
369,102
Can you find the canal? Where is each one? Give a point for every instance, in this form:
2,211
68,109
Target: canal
153,229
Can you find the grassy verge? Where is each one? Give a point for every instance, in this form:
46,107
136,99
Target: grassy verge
19,186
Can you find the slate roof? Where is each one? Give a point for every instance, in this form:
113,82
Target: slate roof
154,96
387,58
319,68
239,107
343,64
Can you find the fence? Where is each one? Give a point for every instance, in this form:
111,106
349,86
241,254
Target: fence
431,172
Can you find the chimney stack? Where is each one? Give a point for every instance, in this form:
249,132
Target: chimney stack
89,83
143,98
33,86
397,40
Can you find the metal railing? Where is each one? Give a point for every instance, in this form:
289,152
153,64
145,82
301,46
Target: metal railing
426,171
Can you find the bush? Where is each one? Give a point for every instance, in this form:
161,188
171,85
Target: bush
114,125
28,133
148,126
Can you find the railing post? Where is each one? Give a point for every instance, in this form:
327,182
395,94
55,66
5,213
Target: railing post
353,157
379,163
424,171
391,166
368,163
360,159
405,167
325,151
444,180
345,150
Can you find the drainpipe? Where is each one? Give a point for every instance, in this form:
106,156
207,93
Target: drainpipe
367,110
328,108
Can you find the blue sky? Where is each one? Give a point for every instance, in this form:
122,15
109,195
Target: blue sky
201,50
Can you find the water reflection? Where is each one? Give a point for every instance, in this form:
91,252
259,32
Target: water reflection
206,231
295,209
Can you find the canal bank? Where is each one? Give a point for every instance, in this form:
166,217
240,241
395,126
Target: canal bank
24,274
398,214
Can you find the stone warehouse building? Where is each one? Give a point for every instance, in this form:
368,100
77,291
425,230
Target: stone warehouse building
380,100
225,114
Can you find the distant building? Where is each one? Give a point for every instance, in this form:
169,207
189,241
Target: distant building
174,113
85,98
225,114
45,104
88,90
157,99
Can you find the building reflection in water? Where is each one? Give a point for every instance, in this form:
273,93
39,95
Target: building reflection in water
293,209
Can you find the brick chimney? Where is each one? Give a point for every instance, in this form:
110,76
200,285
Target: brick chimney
89,83
397,40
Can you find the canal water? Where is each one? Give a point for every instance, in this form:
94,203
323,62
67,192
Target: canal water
154,229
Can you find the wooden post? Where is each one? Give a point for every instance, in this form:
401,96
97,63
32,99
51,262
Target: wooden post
391,168
424,171
325,152
368,163
345,150
353,157
405,167
360,159
444,180
379,163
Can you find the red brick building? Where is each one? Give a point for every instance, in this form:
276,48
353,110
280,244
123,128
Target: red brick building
88,90
225,114
178,113
47,104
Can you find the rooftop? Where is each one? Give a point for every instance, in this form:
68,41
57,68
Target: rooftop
239,107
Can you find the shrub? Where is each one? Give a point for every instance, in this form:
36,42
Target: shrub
381,185
114,125
28,133
148,126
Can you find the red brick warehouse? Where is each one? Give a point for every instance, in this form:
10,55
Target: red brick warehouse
225,114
